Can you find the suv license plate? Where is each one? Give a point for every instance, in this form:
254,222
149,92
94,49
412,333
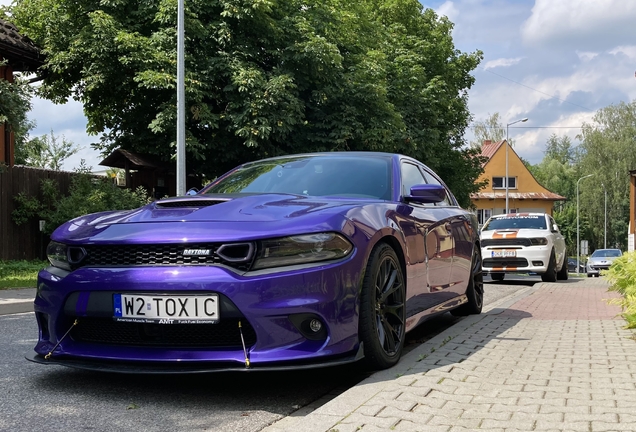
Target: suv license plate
504,254
166,309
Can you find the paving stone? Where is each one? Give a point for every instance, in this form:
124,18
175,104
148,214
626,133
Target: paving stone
556,360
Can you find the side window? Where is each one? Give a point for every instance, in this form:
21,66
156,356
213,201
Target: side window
411,176
431,179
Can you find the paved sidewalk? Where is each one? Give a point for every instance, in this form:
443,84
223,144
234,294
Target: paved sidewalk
554,358
16,300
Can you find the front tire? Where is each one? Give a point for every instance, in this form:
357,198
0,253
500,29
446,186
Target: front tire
563,273
382,309
551,274
474,290
497,276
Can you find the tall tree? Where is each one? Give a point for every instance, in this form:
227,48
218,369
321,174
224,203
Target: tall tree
46,151
560,149
263,78
608,154
490,129
15,103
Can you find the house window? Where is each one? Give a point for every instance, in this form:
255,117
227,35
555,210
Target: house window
483,215
499,183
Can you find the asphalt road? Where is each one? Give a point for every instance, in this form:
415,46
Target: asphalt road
38,397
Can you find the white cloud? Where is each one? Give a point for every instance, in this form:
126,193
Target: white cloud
581,23
502,62
586,55
448,9
628,50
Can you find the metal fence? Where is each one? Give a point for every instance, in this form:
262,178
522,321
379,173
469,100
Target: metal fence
24,242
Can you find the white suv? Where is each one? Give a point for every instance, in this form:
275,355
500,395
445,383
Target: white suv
523,243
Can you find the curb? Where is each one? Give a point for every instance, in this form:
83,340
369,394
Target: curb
13,301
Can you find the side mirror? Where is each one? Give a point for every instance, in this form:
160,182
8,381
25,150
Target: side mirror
555,228
427,193
192,191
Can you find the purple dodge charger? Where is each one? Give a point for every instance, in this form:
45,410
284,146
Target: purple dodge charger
291,262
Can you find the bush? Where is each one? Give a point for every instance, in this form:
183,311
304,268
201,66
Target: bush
622,277
87,194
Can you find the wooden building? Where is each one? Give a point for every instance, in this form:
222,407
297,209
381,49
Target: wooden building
17,54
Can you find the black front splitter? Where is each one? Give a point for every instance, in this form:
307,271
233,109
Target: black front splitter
186,367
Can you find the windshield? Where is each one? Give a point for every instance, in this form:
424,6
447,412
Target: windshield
516,222
606,253
319,175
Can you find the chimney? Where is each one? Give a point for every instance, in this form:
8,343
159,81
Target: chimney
487,142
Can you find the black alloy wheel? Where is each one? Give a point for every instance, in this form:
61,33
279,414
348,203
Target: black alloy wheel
475,288
382,309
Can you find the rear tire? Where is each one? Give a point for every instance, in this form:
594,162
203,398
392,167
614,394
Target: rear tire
474,290
551,274
383,309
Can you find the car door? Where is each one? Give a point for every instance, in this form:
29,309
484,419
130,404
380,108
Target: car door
461,228
429,239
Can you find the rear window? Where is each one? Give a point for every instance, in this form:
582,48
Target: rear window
516,222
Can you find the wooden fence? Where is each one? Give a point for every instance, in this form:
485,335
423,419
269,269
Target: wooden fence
24,242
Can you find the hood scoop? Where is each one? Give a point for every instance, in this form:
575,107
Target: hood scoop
189,202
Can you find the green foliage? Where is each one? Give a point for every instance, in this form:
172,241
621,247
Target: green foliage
622,277
46,151
559,149
490,129
20,274
87,194
608,154
15,102
263,78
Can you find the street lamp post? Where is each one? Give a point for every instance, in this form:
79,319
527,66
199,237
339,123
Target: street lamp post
508,145
181,153
605,219
578,243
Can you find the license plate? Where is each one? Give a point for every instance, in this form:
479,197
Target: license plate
504,254
166,309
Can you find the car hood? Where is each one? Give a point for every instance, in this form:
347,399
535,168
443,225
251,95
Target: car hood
218,217
510,233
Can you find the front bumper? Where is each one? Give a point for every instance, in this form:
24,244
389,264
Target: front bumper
596,269
267,304
533,259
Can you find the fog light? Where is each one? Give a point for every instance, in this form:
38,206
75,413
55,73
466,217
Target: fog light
537,263
315,325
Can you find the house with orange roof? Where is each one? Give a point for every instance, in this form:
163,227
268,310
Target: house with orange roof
525,194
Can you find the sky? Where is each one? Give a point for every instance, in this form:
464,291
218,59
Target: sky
555,62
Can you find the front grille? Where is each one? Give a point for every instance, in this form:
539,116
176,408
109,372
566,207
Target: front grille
505,262
164,254
506,242
224,334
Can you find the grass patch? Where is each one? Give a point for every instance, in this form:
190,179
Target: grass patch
20,274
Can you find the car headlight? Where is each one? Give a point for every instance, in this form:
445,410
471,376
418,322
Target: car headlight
57,253
539,241
301,249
